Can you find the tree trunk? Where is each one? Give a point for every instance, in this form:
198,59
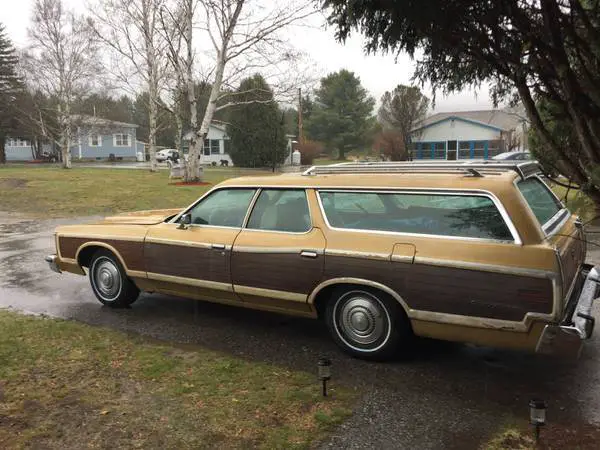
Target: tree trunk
152,125
2,149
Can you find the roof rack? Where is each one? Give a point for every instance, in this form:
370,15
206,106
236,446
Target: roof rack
476,169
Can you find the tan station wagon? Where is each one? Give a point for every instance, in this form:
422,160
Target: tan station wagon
480,253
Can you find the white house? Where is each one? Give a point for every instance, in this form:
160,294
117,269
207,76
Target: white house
468,134
214,145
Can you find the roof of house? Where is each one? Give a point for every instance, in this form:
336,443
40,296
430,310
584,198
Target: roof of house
187,134
502,120
99,121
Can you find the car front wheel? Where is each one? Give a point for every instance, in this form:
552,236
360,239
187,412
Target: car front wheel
109,281
367,324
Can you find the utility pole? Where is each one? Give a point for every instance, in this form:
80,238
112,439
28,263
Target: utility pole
300,132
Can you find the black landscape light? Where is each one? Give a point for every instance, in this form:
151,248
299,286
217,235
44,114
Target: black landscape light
537,415
324,366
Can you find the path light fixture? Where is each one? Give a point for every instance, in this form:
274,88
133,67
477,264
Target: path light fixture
537,415
324,366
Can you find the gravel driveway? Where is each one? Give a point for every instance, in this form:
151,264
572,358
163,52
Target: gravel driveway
446,396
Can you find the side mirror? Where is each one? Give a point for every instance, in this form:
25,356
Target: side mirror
184,221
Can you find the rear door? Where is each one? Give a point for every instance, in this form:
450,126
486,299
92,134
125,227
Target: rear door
558,225
277,258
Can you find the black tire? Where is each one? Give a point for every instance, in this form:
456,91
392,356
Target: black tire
109,281
367,323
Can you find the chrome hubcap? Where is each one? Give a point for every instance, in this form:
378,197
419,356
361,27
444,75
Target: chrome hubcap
107,279
362,320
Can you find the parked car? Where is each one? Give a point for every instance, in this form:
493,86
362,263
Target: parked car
479,253
167,154
513,156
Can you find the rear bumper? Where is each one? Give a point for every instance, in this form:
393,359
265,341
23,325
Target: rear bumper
566,338
52,261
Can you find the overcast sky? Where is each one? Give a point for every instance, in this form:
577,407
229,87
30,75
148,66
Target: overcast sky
378,73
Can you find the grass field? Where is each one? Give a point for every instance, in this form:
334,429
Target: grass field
54,192
69,385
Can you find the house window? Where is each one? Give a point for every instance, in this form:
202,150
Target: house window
211,147
121,140
95,140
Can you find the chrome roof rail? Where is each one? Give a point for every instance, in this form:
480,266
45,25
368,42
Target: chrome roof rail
476,169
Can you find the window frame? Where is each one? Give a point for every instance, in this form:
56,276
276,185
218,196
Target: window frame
91,140
277,188
256,189
121,135
556,222
516,240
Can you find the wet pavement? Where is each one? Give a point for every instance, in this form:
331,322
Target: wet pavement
446,396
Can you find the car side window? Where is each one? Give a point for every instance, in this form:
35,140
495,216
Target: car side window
470,216
223,208
281,210
539,198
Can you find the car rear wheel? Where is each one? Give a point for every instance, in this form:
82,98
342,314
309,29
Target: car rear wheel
367,324
109,281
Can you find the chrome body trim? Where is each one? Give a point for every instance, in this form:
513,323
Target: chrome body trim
52,261
182,243
287,250
102,236
271,293
357,254
191,281
468,265
474,192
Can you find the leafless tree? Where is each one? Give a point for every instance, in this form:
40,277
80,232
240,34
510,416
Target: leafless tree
61,63
245,37
129,28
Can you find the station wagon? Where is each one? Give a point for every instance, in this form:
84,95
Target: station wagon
483,253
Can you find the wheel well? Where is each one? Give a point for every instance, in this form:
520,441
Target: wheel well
323,296
85,255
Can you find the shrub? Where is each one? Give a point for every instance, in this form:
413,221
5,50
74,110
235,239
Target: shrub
309,150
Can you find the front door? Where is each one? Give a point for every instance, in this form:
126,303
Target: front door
196,261
277,258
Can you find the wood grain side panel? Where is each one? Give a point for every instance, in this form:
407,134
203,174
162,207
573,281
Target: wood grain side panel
286,271
131,252
477,293
188,262
451,290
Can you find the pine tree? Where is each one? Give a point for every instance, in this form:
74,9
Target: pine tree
256,129
10,87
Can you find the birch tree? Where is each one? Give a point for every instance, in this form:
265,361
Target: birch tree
245,37
61,62
129,28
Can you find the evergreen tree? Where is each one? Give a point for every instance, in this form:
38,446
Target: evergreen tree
10,87
256,129
341,115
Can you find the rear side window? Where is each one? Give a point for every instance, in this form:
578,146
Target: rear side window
539,198
281,210
470,216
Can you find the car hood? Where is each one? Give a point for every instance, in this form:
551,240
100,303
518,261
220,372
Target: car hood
150,217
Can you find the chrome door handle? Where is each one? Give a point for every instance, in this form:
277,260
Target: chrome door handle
308,254
218,246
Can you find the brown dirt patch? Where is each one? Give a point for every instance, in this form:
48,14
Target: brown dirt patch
552,437
191,183
12,183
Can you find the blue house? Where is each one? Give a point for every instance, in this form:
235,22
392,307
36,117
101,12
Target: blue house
94,138
469,134
99,138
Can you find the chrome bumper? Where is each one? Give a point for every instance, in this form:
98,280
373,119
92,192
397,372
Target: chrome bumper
566,338
52,262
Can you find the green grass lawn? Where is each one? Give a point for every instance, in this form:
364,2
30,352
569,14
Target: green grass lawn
68,385
55,192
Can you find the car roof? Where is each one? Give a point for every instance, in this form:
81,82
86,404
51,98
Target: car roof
457,181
